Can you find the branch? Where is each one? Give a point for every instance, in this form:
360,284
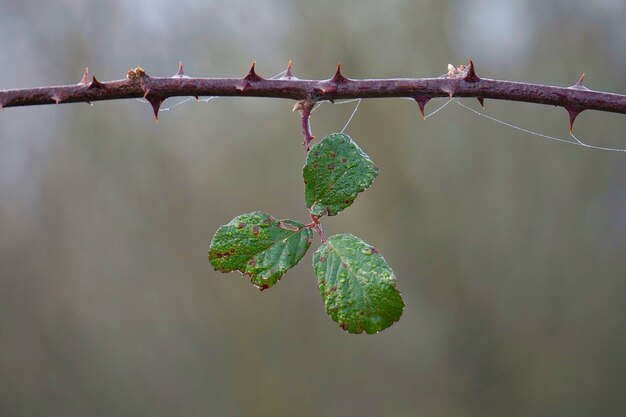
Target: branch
459,82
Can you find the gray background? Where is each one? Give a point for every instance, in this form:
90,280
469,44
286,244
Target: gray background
509,249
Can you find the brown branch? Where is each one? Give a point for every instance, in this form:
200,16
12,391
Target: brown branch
459,82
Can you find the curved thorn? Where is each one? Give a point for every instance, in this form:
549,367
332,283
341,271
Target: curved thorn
470,75
85,79
580,84
252,75
155,102
573,113
421,102
338,78
288,74
95,83
481,101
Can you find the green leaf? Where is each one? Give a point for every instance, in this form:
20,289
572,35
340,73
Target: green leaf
357,285
258,245
336,171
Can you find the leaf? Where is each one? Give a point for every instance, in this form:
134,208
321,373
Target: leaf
357,285
336,171
258,245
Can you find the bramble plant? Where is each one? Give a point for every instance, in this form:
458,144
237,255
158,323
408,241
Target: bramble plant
356,284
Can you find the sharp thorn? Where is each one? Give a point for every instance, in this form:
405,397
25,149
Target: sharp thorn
573,113
57,99
470,75
421,102
580,85
252,75
338,78
95,83
155,102
481,101
288,73
85,79
197,99
180,72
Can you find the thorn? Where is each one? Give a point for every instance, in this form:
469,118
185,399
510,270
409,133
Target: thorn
155,101
95,84
57,99
470,75
421,102
481,101
90,103
338,77
85,79
252,76
288,74
180,72
573,113
580,85
197,99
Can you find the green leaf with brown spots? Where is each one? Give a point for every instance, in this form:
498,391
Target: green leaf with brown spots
258,245
357,285
336,171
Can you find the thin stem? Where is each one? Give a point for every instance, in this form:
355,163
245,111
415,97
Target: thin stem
306,107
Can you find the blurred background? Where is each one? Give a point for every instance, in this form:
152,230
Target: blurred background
510,250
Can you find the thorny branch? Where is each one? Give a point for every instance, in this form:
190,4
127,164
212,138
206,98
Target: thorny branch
459,82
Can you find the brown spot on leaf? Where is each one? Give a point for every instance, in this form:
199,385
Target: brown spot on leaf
344,160
331,167
240,226
255,230
333,154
